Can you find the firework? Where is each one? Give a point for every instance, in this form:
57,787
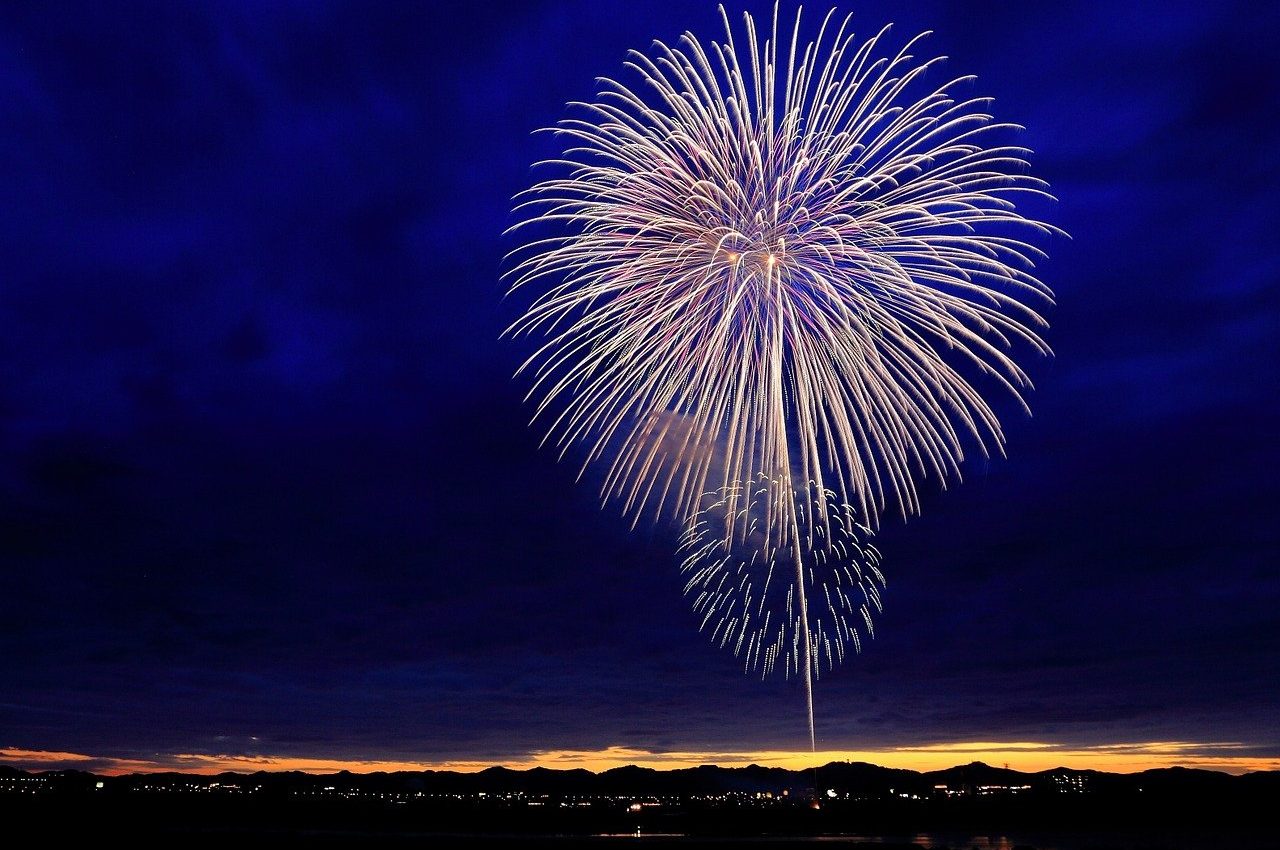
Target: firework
784,272
745,594
807,256
755,598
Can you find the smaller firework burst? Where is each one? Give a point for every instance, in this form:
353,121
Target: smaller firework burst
746,590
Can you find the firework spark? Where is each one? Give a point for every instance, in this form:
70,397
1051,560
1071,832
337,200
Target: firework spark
745,592
770,266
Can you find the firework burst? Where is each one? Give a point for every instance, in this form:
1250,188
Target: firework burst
781,271
745,593
794,255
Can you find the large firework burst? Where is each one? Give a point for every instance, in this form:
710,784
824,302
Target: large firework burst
780,276
805,257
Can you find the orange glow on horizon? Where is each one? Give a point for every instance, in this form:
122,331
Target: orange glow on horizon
1023,756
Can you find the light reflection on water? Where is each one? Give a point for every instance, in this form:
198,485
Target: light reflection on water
951,841
987,841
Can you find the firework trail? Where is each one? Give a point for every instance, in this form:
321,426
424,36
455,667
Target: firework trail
773,261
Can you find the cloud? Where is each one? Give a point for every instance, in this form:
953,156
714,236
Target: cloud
49,760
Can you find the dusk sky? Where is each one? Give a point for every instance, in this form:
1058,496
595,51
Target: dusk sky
267,491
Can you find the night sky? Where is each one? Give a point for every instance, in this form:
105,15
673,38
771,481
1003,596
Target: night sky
266,485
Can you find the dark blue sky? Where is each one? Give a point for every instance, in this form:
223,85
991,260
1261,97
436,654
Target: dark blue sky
265,483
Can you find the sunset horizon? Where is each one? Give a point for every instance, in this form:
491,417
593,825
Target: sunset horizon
1026,757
